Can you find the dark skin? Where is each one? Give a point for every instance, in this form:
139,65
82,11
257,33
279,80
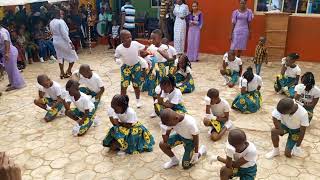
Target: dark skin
223,71
182,64
46,83
167,88
86,72
238,140
214,135
171,119
310,105
278,131
290,63
244,89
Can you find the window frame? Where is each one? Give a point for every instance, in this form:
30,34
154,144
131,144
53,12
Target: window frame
292,14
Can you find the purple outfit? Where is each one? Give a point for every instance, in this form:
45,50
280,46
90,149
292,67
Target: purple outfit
194,35
240,33
15,78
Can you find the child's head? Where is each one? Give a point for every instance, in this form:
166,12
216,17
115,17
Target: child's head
44,81
169,117
308,80
237,138
156,37
126,37
85,71
213,94
285,106
184,62
248,75
231,55
292,58
262,41
168,84
165,41
72,87
120,103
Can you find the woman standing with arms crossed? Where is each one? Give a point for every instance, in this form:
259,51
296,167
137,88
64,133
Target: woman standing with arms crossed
240,32
195,20
62,44
181,11
9,56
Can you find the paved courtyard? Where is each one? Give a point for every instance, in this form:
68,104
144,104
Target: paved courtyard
49,151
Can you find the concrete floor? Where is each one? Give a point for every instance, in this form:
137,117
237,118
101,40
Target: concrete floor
49,151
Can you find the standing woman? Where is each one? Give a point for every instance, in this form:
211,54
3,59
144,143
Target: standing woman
195,20
240,32
181,11
62,44
9,56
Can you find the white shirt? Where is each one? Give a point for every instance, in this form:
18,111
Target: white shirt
83,103
129,56
294,121
232,65
221,108
172,51
129,116
94,83
308,96
252,85
154,51
186,72
52,92
175,97
293,72
249,154
187,128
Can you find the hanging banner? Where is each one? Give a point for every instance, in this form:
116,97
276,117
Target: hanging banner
22,2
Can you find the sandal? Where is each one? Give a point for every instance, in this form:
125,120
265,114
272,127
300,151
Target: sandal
62,76
67,75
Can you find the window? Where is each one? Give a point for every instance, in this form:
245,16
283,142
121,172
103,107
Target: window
289,6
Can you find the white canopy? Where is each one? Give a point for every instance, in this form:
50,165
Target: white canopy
22,2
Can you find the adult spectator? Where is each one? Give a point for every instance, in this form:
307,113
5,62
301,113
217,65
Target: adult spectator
128,18
241,30
181,11
164,14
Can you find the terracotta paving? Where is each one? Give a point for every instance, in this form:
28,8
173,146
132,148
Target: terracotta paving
49,151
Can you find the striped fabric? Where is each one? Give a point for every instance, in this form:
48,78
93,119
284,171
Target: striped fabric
130,13
163,8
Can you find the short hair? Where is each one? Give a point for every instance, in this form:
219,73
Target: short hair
121,100
41,78
213,93
158,32
294,56
284,105
237,136
72,83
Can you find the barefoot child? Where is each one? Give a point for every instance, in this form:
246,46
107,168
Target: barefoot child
249,100
307,94
289,77
94,86
261,55
50,97
84,113
183,75
232,67
241,157
217,115
129,52
127,135
289,118
186,133
169,96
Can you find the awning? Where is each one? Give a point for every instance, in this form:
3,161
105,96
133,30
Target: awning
22,2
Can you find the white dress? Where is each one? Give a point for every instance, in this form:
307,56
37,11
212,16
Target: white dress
61,41
180,26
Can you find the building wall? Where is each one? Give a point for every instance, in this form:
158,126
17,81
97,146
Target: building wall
303,32
145,6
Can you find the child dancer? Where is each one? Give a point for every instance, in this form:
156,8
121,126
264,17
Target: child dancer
261,55
127,134
168,90
50,97
307,94
186,133
172,56
232,67
217,115
289,118
241,157
129,52
92,81
183,75
249,100
84,113
289,77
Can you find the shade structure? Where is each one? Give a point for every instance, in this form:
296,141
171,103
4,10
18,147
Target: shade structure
22,2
